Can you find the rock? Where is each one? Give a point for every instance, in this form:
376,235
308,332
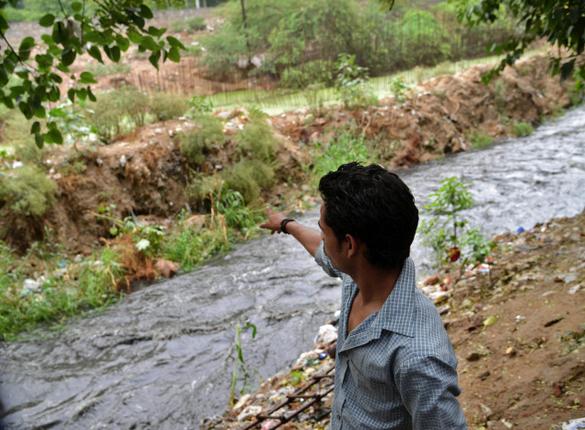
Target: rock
510,351
327,334
474,356
506,423
31,286
486,410
520,318
249,412
574,290
489,321
571,277
196,222
166,268
576,424
123,160
241,402
432,280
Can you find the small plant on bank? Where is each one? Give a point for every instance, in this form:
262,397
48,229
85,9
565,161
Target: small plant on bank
341,149
399,89
196,23
196,143
165,106
240,375
257,141
480,140
200,105
26,191
522,129
351,83
249,177
447,231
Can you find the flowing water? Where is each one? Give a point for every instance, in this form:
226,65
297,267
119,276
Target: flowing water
158,358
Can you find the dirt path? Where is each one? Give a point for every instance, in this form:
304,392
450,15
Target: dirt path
518,331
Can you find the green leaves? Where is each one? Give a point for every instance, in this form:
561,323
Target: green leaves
109,29
47,20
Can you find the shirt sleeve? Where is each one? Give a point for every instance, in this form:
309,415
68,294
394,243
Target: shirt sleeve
429,390
324,261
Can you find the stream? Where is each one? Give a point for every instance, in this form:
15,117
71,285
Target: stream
157,359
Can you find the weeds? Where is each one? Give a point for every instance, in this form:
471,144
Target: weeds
26,191
480,140
257,141
165,106
344,148
249,177
99,70
522,129
196,143
240,375
447,232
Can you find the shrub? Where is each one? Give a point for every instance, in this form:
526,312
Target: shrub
196,143
249,177
202,189
237,215
257,141
99,69
447,231
522,129
165,106
196,23
343,148
112,108
311,73
480,140
27,191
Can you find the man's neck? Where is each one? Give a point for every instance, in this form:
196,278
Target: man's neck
375,284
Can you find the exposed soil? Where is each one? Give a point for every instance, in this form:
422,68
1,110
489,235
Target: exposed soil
439,118
518,330
145,174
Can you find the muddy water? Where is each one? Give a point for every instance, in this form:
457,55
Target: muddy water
157,359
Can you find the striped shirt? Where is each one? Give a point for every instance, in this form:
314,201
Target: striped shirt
397,369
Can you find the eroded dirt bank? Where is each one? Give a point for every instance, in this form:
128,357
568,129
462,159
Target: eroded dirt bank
144,174
517,327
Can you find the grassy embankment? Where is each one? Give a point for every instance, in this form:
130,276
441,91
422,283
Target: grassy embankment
43,283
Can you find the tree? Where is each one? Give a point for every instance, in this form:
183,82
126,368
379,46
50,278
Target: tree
32,83
560,22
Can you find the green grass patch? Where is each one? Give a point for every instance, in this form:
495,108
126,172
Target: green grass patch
196,143
480,140
343,148
99,70
522,129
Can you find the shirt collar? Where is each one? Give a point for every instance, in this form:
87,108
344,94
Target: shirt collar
396,314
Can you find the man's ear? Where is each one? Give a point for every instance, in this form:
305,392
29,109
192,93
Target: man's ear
351,246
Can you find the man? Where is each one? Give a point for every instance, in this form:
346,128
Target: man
395,366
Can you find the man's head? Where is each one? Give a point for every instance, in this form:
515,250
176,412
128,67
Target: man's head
372,206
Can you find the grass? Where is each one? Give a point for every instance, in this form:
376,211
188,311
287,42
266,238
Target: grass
341,149
480,140
277,101
522,129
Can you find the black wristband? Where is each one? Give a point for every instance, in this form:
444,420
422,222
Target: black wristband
283,224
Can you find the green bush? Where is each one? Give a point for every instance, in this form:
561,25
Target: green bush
99,69
27,191
342,149
249,177
480,140
202,189
310,73
522,129
196,23
257,141
111,109
165,106
196,143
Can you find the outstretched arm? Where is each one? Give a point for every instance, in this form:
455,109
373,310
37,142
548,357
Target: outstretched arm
308,237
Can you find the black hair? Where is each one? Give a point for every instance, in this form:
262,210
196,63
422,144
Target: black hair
373,205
